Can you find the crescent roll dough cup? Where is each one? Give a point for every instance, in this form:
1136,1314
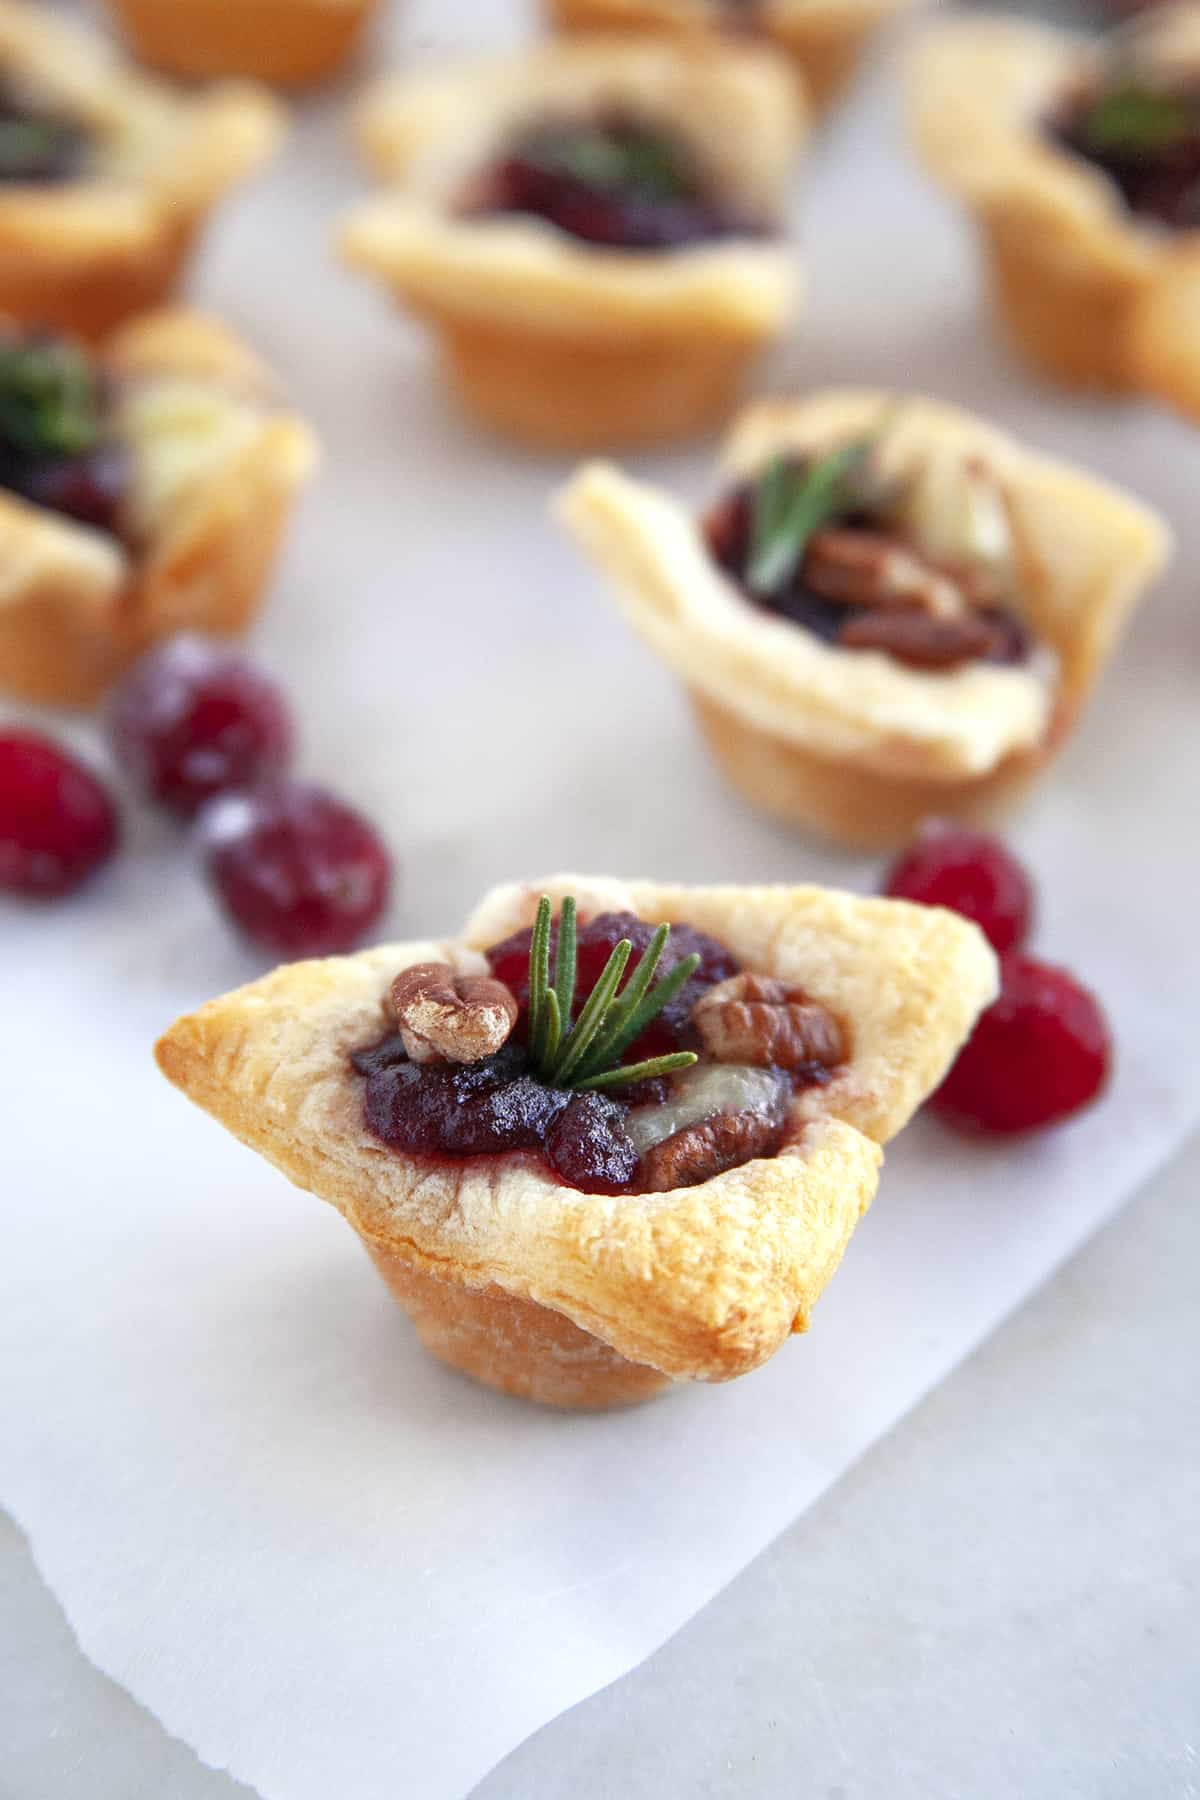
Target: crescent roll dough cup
290,43
581,1299
549,339
852,744
215,469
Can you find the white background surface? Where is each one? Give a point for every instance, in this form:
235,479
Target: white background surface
264,1513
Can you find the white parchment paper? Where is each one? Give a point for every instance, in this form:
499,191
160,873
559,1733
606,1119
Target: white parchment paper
328,1564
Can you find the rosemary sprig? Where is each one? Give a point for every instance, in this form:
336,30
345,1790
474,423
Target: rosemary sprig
620,158
587,1055
1133,119
49,398
793,501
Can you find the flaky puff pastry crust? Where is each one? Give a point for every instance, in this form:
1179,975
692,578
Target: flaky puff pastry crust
824,39
547,338
290,43
86,254
582,1299
215,467
1072,268
854,744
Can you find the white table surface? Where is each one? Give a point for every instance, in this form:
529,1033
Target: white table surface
1000,1600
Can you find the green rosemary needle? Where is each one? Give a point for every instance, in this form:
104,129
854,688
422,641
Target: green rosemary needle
792,502
587,1054
49,398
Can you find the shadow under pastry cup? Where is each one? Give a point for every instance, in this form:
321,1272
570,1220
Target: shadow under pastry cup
1070,264
550,339
290,43
108,232
586,1300
824,40
851,743
213,467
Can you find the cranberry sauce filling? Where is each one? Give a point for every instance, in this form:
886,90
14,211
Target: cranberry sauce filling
843,591
1146,139
55,450
664,1132
37,145
610,181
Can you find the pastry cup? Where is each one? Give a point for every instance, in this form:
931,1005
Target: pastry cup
585,1300
825,40
86,254
851,744
290,43
215,469
547,339
1165,336
1071,267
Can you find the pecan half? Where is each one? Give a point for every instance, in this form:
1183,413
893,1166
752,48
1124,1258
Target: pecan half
755,1019
878,569
444,1017
923,641
701,1151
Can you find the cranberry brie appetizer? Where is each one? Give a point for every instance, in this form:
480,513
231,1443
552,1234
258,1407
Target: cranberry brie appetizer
594,231
613,1137
1081,163
143,490
893,610
288,42
823,39
106,178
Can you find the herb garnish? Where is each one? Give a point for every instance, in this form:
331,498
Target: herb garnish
792,501
1132,119
50,403
587,1055
621,158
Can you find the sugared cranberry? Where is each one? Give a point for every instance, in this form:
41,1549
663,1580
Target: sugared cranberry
589,1146
970,873
57,824
596,941
1040,1053
194,719
298,871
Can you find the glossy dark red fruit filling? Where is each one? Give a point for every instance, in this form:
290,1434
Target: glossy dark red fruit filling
300,873
90,488
728,530
1146,139
596,941
1042,1052
590,1147
970,873
57,823
195,718
613,182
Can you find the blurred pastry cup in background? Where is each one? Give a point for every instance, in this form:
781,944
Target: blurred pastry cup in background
895,611
291,43
824,40
1079,160
594,231
153,501
107,177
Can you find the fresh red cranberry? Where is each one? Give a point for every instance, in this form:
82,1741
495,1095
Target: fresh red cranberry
57,823
1040,1053
972,874
298,871
194,719
589,1146
595,943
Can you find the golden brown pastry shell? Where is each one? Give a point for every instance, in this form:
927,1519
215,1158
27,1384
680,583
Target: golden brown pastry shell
289,43
86,254
76,608
546,339
825,41
1071,269
859,749
580,1299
